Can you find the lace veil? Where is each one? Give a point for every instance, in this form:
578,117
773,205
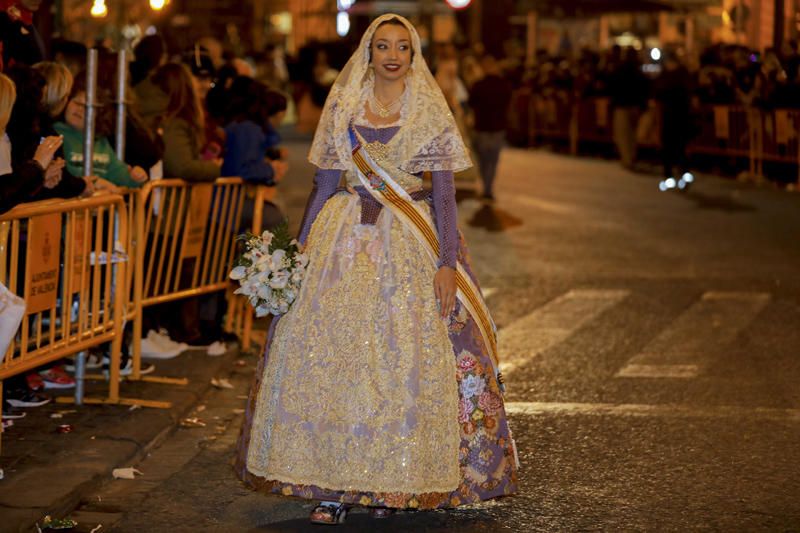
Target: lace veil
428,138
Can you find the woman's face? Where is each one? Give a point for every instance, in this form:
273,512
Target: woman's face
75,111
391,52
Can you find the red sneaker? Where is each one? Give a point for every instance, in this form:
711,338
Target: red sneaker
34,380
57,378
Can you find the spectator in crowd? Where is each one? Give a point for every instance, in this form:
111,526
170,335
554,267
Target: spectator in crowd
29,123
149,55
19,183
489,99
108,169
628,87
254,113
204,74
58,83
20,42
183,123
673,92
143,146
71,54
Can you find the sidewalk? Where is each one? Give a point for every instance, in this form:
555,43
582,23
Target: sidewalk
48,473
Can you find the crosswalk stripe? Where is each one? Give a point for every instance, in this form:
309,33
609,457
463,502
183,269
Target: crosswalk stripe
646,410
540,330
713,320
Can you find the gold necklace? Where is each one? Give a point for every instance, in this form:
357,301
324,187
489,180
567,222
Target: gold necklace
384,111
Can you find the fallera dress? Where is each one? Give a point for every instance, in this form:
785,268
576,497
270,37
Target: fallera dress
365,395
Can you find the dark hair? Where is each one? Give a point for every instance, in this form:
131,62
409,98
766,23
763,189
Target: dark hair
24,126
104,112
393,22
176,81
249,99
147,56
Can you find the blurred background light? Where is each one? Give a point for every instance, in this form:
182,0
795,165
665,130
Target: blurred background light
99,9
655,54
342,23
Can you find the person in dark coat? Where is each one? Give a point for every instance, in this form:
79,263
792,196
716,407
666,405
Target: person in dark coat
489,99
20,42
673,92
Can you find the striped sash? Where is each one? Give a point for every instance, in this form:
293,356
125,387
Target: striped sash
392,196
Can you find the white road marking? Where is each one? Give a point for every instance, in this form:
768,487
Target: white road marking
645,410
714,320
540,330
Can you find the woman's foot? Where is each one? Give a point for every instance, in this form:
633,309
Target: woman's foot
329,513
381,512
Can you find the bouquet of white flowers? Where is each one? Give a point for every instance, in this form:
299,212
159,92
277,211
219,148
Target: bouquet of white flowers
270,270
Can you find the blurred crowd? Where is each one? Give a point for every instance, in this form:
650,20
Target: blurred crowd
724,74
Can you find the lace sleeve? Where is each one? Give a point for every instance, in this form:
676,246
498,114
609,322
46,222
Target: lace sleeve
325,183
444,205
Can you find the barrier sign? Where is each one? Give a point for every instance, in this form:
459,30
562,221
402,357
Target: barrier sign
42,260
196,220
79,250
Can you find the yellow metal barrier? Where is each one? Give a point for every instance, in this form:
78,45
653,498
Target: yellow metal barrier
185,246
59,256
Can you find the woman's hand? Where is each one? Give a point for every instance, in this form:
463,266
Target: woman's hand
105,186
444,287
89,189
280,168
53,172
46,149
138,174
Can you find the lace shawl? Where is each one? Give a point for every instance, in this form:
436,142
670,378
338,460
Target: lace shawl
428,139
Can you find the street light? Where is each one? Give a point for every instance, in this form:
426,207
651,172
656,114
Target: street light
99,9
458,4
158,5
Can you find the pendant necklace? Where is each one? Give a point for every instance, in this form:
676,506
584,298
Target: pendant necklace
384,111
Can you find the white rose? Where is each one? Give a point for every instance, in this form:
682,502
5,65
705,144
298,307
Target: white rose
266,238
238,272
265,292
277,260
262,311
279,280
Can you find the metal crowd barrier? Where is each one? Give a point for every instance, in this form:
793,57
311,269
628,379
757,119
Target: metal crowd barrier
62,258
731,131
185,243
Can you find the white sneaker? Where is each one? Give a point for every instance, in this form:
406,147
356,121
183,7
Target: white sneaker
93,362
151,350
216,349
162,338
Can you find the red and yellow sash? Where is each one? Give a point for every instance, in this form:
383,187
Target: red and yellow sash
392,196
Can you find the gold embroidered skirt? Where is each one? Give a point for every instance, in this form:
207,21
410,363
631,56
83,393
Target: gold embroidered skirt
359,390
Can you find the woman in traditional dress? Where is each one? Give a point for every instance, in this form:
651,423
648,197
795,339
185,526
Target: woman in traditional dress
379,387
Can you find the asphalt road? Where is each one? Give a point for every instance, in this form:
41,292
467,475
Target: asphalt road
652,353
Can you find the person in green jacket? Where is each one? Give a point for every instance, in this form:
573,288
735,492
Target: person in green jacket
106,165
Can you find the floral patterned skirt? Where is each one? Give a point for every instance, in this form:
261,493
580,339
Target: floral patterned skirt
364,394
